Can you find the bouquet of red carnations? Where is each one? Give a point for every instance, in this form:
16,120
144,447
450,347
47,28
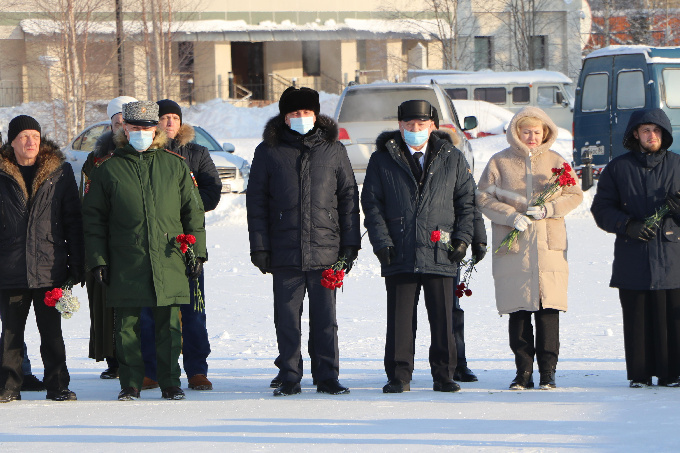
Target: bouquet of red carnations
463,288
63,300
332,277
561,177
186,246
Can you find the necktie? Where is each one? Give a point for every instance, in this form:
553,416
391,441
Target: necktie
416,156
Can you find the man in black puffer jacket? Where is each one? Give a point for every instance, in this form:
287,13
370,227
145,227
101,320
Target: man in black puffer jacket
42,248
303,215
646,267
417,182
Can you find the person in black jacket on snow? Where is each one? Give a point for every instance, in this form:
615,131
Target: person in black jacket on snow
303,215
42,248
646,267
195,342
417,182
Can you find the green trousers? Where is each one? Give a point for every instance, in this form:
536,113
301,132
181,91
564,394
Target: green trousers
168,346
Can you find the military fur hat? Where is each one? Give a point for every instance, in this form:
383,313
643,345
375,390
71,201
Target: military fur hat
302,98
141,113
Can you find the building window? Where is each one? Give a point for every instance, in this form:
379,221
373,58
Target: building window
538,50
483,52
311,58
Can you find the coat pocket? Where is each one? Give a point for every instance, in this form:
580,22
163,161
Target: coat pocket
556,233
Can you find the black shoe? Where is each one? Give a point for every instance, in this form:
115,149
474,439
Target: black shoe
446,386
288,388
109,373
32,384
523,381
332,387
61,395
128,394
9,395
464,374
396,386
547,381
640,383
276,382
172,393
663,382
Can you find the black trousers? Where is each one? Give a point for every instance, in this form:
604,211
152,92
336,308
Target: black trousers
290,286
651,333
547,345
15,305
403,292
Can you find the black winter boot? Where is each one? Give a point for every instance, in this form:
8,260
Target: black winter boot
523,380
547,381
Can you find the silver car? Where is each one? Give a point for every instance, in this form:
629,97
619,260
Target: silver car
234,170
364,111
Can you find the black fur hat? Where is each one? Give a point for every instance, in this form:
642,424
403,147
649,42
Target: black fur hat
302,98
417,110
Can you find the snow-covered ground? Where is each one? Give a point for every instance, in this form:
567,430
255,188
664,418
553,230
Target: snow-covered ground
591,410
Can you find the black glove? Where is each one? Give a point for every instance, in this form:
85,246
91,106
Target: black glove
194,271
77,276
101,275
261,259
478,251
458,253
637,229
673,201
350,254
386,255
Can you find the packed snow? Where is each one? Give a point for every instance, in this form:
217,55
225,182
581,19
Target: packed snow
591,410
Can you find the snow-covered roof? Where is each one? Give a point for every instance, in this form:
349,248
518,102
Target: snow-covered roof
239,30
495,78
651,54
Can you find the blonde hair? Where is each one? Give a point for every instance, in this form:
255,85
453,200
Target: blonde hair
532,121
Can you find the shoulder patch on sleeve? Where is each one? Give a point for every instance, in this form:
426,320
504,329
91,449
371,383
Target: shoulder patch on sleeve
174,154
193,178
98,161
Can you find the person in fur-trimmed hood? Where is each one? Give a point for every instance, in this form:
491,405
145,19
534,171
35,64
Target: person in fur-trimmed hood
42,249
417,182
646,268
195,341
531,276
303,216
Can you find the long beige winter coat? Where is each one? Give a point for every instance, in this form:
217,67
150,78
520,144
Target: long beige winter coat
535,270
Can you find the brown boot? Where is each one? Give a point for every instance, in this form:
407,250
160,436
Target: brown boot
200,382
149,384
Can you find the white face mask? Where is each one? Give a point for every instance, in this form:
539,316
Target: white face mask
141,140
302,125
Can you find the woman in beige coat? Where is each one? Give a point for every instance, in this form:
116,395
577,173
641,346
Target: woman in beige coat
530,276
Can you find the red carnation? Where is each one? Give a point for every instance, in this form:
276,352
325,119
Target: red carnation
460,286
460,293
190,239
436,236
567,166
468,292
183,247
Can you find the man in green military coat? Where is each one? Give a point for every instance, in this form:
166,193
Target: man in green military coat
138,200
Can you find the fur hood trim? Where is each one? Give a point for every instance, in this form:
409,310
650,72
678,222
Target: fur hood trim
185,134
50,158
327,129
160,141
513,138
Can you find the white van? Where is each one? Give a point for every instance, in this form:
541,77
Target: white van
551,91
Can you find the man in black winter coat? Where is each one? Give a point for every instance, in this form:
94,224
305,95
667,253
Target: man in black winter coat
633,187
303,215
42,249
417,182
195,342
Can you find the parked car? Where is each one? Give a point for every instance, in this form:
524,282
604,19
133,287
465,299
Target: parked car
364,111
234,170
615,81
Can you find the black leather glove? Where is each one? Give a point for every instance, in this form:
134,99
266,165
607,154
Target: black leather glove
194,271
458,253
101,275
637,229
673,201
261,259
77,276
478,251
386,255
350,254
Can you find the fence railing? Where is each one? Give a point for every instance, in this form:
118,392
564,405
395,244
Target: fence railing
277,84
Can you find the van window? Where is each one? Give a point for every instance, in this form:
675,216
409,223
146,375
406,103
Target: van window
549,95
457,93
520,95
493,95
630,91
671,78
595,89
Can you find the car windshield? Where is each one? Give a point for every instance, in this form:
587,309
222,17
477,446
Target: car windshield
380,104
203,138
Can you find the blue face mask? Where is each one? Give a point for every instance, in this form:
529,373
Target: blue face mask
416,138
302,125
141,140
